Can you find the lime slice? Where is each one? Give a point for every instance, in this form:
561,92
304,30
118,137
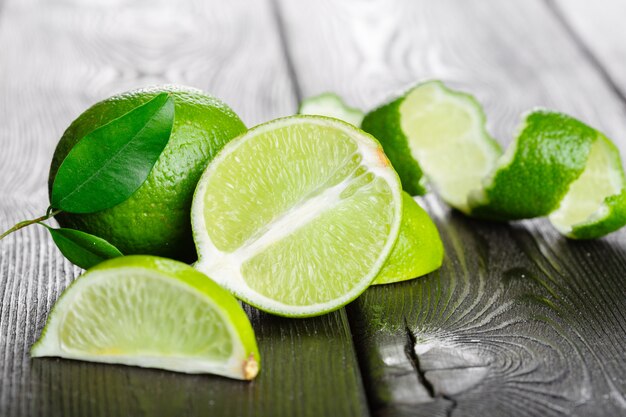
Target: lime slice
151,312
418,249
331,105
557,166
298,215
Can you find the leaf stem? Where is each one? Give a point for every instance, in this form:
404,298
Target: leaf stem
25,223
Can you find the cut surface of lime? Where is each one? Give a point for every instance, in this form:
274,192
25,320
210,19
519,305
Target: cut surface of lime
151,312
557,165
331,105
418,250
298,215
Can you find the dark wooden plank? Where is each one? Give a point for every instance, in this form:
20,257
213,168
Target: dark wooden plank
598,29
59,57
519,321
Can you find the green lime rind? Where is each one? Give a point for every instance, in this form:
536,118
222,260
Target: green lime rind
331,105
614,218
557,166
384,124
549,153
418,250
609,213
244,359
155,218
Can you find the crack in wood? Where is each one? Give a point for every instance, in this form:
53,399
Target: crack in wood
414,359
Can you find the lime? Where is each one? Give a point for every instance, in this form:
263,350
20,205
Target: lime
298,215
155,219
439,132
151,312
418,249
557,166
331,105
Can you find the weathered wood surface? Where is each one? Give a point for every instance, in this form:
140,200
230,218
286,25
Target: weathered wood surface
57,58
519,321
598,29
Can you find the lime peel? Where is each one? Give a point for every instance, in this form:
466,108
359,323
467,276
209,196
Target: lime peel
557,165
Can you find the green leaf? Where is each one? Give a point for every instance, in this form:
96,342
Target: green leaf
82,249
109,164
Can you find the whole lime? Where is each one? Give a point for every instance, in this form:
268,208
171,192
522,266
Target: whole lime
155,220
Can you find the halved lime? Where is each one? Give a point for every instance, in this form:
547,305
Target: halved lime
557,166
151,312
298,215
331,105
418,250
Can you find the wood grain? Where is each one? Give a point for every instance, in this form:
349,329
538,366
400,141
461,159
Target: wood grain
58,57
598,29
512,57
519,321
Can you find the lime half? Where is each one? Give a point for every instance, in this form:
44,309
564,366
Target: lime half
418,250
557,165
298,215
151,312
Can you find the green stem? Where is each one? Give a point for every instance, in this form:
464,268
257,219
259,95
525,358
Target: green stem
29,222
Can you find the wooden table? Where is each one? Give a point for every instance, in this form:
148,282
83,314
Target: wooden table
518,322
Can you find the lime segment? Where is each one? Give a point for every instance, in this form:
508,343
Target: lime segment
151,312
298,215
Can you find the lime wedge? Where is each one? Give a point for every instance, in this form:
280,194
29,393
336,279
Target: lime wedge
151,312
418,249
298,215
557,166
331,105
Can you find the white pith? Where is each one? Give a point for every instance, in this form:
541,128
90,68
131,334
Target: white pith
50,343
225,268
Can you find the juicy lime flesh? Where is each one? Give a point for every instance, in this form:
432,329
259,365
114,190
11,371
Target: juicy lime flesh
447,138
125,313
299,214
266,178
287,270
600,179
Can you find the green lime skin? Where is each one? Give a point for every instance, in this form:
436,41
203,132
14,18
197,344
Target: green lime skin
550,153
155,220
418,249
384,124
